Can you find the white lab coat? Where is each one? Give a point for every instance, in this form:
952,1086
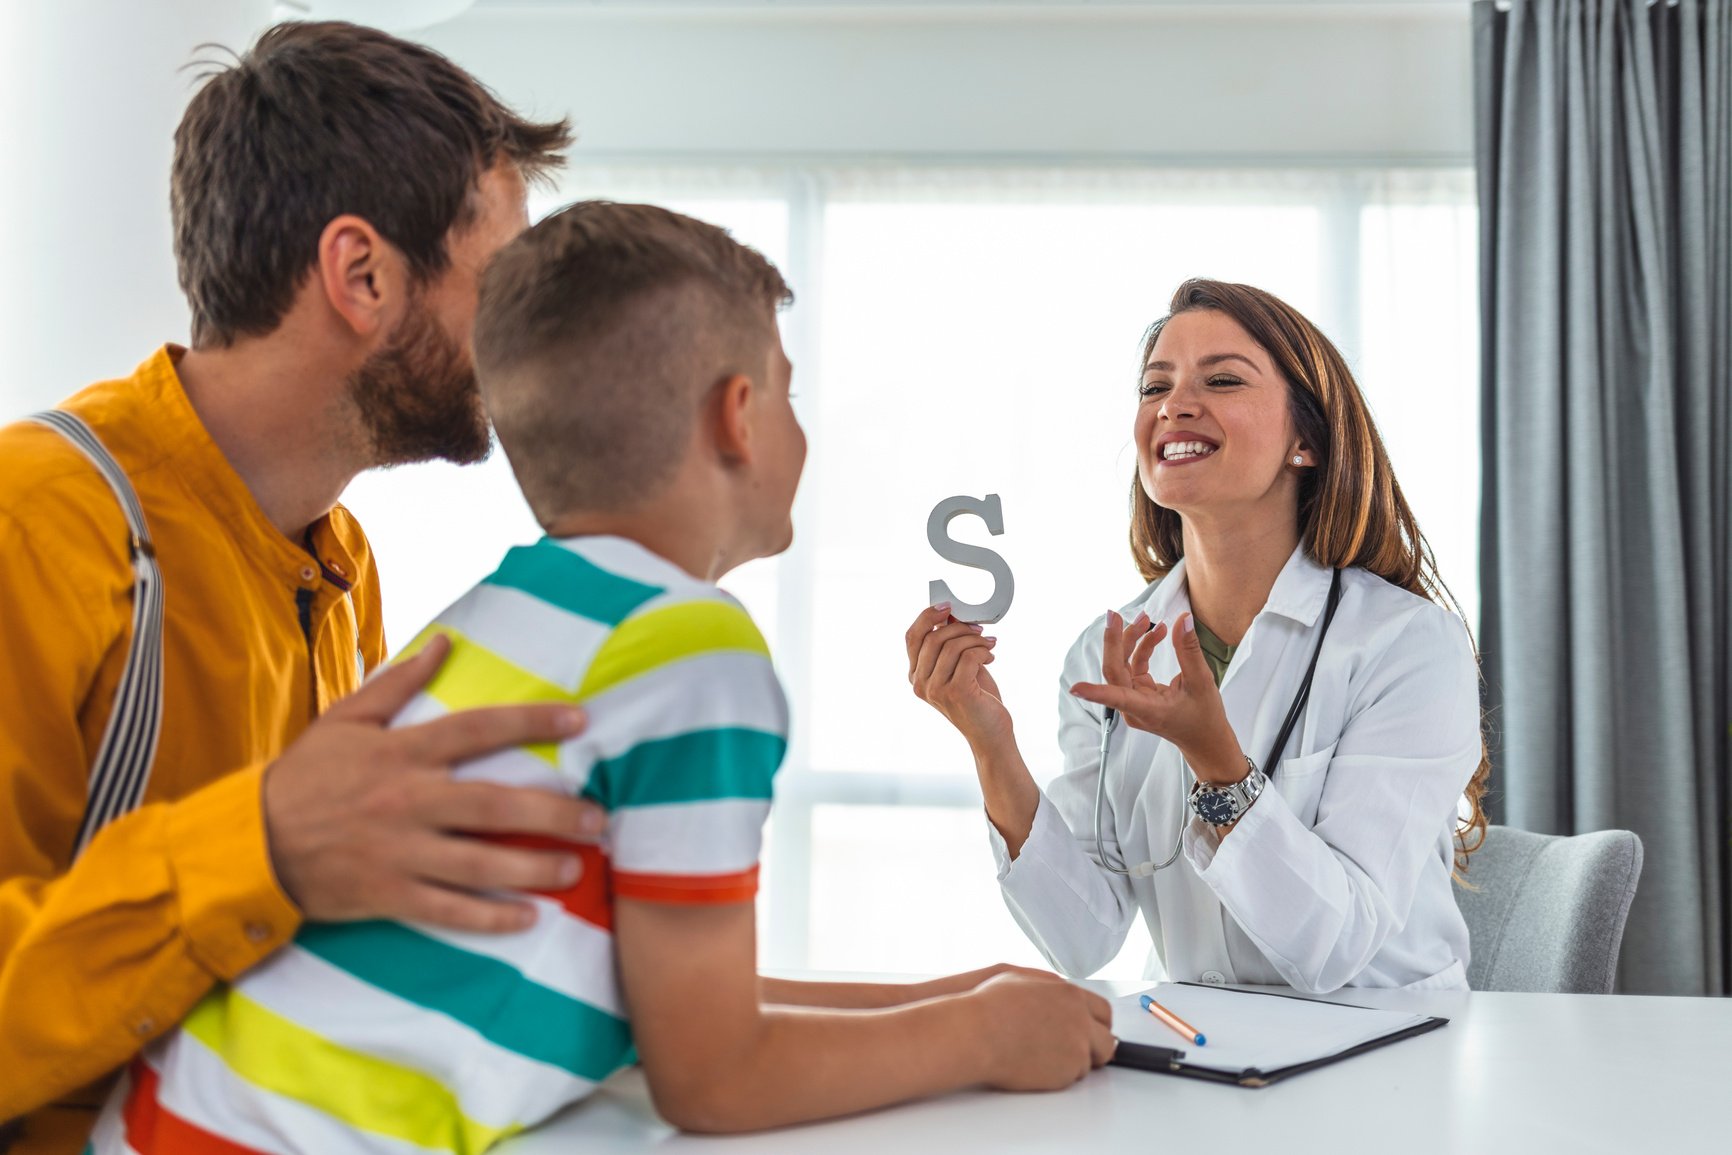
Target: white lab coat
1339,875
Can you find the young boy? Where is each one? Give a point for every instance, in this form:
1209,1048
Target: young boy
630,360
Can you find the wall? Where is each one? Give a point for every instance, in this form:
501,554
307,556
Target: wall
1236,82
90,93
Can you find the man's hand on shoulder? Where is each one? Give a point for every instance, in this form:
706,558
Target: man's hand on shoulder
367,822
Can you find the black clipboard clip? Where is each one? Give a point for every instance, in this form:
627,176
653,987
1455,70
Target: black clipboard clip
1147,1057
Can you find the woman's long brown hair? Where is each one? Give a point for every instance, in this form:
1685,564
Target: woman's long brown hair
1351,512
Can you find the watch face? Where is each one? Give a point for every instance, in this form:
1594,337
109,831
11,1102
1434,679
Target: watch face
1216,807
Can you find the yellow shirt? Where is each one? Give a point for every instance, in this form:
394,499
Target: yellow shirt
260,633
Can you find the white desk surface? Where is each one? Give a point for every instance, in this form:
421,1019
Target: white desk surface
1533,1074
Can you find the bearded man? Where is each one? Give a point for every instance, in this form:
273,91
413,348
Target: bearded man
335,193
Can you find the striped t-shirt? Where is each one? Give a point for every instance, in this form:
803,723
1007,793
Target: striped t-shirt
389,1037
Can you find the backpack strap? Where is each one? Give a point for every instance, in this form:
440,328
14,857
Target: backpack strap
123,761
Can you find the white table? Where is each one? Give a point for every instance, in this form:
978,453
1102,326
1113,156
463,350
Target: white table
1533,1074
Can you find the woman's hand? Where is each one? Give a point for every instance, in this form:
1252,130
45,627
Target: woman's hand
1186,711
947,663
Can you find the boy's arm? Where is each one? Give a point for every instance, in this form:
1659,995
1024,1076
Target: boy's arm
687,809
861,996
717,1059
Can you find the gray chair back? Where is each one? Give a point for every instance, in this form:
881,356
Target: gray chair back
1546,912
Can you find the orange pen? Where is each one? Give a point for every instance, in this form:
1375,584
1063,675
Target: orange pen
1173,1021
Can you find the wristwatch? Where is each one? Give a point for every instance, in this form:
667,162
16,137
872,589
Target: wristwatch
1225,805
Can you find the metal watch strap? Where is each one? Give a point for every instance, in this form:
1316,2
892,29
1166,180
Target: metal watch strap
121,768
1237,795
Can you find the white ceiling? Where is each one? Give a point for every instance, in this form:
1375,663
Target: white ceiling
791,6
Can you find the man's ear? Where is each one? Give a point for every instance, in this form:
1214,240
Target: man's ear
732,416
361,276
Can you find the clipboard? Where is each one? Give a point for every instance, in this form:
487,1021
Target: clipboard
1190,1062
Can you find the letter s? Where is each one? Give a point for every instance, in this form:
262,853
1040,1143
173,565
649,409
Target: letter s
989,510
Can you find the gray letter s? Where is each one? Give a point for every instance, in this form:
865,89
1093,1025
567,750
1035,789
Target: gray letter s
989,510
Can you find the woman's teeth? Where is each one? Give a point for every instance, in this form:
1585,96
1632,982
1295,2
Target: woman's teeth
1185,450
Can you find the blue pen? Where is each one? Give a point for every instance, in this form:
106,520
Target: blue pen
1173,1021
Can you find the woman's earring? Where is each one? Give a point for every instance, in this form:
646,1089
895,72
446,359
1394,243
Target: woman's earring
1298,460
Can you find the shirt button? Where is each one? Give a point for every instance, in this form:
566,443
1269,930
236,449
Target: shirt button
144,1027
308,573
257,932
1214,978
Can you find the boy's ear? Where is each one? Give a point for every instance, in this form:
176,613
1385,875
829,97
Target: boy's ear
360,275
733,419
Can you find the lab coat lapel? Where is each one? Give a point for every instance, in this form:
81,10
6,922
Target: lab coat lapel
1256,694
1164,600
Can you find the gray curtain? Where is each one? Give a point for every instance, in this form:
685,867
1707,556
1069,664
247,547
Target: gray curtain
1605,161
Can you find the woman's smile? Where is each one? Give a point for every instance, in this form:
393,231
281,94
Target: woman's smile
1175,449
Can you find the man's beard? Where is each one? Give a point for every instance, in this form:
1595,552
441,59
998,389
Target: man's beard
418,399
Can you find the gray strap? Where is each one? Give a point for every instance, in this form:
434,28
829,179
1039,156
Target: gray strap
122,766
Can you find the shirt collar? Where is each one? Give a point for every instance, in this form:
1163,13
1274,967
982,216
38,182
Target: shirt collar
628,558
1300,590
185,444
1167,598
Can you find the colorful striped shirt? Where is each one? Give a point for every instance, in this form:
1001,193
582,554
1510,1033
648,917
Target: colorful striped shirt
384,1037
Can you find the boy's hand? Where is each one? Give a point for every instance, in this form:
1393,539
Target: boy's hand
741,1066
367,822
1040,1032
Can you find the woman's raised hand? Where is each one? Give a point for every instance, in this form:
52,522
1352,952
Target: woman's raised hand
947,663
1186,711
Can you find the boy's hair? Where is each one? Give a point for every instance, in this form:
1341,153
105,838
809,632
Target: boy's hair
599,332
316,120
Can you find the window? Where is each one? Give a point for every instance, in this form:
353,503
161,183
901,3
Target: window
973,332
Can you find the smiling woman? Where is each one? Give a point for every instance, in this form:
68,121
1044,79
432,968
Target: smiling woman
1264,511
1349,502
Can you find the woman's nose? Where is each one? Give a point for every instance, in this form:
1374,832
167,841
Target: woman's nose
1179,403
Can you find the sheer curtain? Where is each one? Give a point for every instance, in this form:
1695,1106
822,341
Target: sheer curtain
975,331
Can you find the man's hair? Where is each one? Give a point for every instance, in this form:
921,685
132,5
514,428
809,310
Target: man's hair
599,333
315,121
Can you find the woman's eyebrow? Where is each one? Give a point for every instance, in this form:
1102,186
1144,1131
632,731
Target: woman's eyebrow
1212,359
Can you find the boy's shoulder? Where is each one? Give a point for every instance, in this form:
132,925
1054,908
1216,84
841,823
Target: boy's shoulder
671,670
684,704
606,580
694,657
598,622
658,618
656,647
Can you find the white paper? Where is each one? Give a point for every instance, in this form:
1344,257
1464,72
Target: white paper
1246,1030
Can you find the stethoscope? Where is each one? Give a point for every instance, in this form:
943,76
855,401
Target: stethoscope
1111,717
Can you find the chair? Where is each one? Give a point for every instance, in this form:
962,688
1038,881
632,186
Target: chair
1546,912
